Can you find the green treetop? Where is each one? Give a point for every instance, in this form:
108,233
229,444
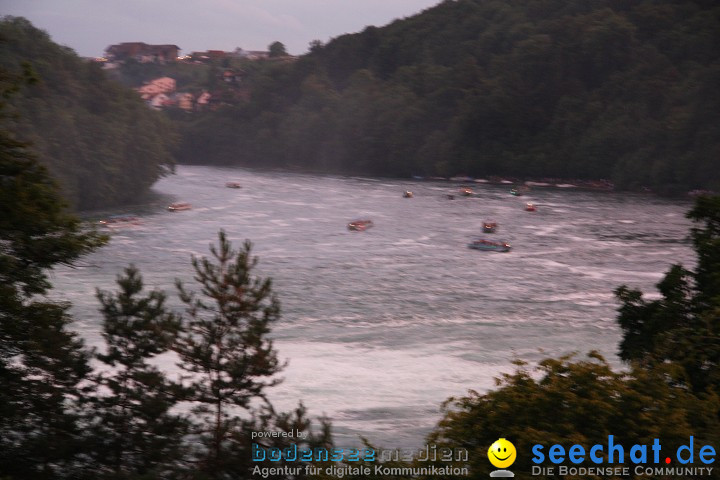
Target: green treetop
225,349
681,328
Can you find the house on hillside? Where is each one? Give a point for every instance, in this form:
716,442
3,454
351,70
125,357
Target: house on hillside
209,56
157,85
142,52
159,101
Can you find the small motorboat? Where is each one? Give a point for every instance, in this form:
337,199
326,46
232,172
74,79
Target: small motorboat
120,221
529,207
233,185
466,191
360,225
408,194
489,246
489,227
180,206
516,192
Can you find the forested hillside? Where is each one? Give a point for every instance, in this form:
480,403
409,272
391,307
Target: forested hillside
625,90
97,137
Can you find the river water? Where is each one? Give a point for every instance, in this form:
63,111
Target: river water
380,327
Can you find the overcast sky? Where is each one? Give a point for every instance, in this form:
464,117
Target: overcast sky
89,26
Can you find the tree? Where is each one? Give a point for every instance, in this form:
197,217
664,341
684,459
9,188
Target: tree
579,402
277,49
226,351
135,432
315,46
42,364
683,326
97,138
706,240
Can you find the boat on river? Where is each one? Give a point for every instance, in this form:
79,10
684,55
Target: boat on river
115,221
489,246
360,225
519,191
529,207
233,185
489,227
407,194
180,206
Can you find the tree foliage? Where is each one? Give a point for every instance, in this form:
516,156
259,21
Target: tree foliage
618,90
97,137
277,49
575,402
133,430
42,363
225,349
683,326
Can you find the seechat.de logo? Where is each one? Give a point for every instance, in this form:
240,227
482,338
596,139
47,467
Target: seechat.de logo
614,459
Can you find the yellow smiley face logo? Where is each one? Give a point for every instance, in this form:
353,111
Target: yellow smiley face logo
502,453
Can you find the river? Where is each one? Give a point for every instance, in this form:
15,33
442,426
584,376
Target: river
379,327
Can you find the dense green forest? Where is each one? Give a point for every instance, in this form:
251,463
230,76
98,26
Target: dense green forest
97,137
622,90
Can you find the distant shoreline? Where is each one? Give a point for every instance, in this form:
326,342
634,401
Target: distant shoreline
596,185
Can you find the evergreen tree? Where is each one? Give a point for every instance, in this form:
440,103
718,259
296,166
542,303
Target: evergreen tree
135,431
225,349
42,364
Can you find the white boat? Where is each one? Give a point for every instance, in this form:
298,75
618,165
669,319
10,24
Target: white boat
120,221
180,206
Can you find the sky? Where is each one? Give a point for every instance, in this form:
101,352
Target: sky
89,26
